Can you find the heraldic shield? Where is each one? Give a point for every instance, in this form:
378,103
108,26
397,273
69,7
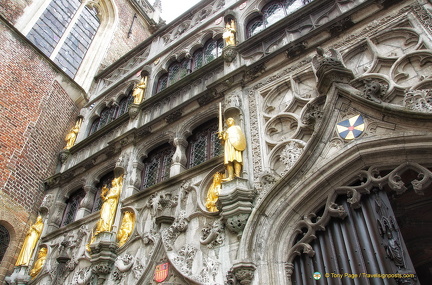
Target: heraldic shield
161,272
237,138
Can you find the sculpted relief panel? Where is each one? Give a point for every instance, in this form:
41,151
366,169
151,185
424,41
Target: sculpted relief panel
390,63
285,134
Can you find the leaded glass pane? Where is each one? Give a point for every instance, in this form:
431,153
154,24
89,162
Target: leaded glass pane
273,13
293,5
53,22
94,127
216,145
151,173
78,41
173,72
220,46
204,144
4,241
157,166
210,51
199,151
72,205
197,59
254,27
123,106
162,83
104,117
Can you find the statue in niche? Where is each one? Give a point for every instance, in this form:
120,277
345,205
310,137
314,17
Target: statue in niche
72,135
138,92
110,198
213,193
126,228
42,255
229,33
234,142
30,242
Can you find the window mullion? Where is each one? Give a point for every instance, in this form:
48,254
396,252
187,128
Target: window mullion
67,32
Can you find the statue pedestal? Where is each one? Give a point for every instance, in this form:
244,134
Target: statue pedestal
235,204
103,255
19,276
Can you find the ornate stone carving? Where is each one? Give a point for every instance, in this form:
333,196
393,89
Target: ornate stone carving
185,259
47,202
121,266
330,69
419,100
340,26
170,234
82,276
241,273
236,204
313,113
374,90
290,154
295,50
212,234
229,53
176,115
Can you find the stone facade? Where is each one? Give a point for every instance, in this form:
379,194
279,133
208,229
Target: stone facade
334,100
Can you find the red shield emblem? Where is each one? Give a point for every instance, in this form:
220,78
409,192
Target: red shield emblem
161,272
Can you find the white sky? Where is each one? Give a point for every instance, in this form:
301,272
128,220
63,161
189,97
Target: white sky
171,9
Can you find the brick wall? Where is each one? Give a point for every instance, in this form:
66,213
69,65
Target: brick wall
35,115
121,42
13,9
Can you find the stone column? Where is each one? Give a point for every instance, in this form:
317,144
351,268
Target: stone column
179,159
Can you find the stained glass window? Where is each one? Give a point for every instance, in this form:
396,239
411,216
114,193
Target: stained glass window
63,35
4,241
72,206
204,143
157,165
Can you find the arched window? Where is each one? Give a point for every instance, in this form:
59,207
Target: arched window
177,70
64,32
105,180
4,241
204,143
72,205
157,165
211,50
109,114
273,12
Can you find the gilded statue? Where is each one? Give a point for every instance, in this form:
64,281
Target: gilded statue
30,242
234,142
213,193
126,228
110,198
229,33
42,255
138,92
72,135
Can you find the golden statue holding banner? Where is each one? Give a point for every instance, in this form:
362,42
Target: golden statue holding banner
72,135
138,92
234,142
110,198
42,255
30,242
213,192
